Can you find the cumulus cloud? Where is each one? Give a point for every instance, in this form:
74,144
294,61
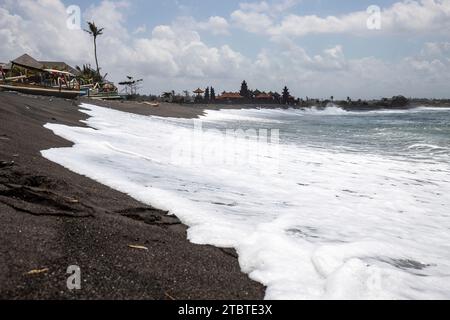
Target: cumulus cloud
331,72
436,49
255,22
216,25
424,16
259,17
174,56
39,28
169,52
177,52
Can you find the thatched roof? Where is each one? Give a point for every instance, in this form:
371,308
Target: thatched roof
28,62
62,66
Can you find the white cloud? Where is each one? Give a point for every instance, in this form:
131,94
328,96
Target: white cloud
39,28
254,22
176,52
424,16
170,52
332,73
436,49
262,6
259,17
110,15
216,25
141,29
272,8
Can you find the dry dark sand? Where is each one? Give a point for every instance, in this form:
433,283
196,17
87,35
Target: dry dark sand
51,218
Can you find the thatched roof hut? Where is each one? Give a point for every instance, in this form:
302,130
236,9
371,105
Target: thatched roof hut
62,66
28,62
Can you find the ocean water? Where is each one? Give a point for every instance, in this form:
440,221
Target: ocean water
319,204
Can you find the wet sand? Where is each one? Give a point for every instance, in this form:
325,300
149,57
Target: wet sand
51,218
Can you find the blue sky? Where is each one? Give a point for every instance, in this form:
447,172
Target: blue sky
153,13
316,47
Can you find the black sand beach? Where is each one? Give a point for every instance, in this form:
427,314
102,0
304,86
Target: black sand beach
51,218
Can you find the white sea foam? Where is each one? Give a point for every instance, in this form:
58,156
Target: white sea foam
326,225
267,115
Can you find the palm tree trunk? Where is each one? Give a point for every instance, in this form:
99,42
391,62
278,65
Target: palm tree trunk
95,53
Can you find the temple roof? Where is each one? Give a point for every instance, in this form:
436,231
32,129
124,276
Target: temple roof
230,95
199,91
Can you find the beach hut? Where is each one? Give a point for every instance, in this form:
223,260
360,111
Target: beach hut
32,77
27,62
62,66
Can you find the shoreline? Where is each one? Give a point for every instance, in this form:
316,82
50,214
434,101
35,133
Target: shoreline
52,218
195,110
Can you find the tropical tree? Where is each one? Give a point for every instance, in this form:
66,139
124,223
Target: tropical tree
131,85
207,94
88,75
212,94
168,96
244,89
276,96
286,95
94,31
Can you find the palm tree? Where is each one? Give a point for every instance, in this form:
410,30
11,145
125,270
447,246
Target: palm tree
94,31
87,74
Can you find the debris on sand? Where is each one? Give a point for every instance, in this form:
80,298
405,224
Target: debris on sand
137,247
37,271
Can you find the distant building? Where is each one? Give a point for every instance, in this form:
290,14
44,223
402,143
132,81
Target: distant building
265,98
230,96
199,92
28,62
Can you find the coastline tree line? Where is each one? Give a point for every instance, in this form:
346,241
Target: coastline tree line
245,96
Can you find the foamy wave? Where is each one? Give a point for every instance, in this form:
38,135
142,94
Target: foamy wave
268,115
272,115
251,115
428,147
324,225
